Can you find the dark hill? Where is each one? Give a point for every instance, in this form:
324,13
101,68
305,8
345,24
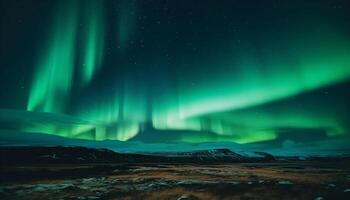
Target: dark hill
60,154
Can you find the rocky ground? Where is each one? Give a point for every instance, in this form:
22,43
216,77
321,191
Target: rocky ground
274,180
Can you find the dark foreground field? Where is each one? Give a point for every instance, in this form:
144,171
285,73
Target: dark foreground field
310,179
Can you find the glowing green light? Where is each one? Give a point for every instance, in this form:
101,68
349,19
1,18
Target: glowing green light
324,63
126,21
53,79
225,96
94,36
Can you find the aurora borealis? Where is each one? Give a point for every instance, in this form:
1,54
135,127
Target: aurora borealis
168,71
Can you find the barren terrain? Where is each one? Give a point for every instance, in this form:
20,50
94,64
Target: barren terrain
273,180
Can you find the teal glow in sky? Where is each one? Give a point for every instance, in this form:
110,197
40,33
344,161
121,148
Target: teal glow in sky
169,71
52,80
93,44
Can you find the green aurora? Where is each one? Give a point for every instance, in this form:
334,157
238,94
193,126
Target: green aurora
116,69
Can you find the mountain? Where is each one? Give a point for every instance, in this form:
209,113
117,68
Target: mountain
61,154
220,154
211,153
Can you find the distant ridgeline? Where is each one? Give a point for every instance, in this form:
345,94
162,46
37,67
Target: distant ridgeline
60,154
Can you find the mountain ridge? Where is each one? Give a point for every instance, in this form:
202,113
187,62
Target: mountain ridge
62,154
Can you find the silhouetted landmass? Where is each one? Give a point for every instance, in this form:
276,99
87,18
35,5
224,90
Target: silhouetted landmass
60,154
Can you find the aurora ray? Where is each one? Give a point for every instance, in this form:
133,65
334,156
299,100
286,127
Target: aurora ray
94,39
52,82
126,19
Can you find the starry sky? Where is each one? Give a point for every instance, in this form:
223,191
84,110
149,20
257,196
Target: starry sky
176,71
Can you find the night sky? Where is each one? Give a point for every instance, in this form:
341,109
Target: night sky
177,71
